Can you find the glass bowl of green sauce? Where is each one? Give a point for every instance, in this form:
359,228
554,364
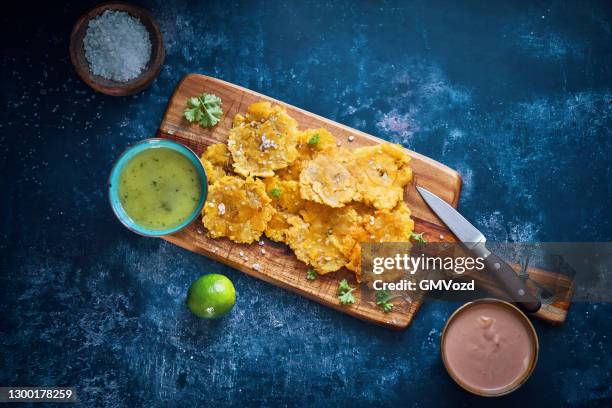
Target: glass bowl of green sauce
157,187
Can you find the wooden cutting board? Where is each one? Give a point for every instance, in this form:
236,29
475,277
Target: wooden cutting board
278,265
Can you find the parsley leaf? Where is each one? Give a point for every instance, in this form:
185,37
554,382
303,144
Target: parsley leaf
418,237
382,300
192,112
347,297
314,139
343,286
276,192
345,293
204,109
311,274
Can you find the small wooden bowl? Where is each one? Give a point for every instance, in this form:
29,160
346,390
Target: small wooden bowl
107,86
533,338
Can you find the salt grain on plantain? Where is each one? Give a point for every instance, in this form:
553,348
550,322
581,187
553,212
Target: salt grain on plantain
221,208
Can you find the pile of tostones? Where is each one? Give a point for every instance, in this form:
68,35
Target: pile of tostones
303,189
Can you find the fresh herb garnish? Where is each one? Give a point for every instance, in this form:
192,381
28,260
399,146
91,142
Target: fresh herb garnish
343,286
276,192
418,237
382,300
314,139
204,109
311,274
345,293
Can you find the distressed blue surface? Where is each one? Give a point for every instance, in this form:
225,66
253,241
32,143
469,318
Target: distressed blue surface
516,96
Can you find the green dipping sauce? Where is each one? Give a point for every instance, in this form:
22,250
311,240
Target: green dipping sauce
159,188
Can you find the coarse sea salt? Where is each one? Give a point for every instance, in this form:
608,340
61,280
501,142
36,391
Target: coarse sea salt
117,46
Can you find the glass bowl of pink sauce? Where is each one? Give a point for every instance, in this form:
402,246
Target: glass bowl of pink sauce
489,347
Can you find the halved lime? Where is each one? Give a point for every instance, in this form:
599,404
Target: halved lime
211,296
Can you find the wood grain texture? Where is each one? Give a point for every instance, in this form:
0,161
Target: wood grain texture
278,265
107,86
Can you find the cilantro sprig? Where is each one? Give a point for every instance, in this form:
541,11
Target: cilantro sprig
314,139
311,274
382,300
418,237
276,192
345,293
204,109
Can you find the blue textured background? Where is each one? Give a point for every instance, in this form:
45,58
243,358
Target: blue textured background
516,96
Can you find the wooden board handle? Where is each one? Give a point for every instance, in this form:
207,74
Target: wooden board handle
553,312
279,266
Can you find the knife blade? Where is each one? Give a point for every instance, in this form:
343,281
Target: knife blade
475,241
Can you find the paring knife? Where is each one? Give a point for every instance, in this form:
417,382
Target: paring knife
475,241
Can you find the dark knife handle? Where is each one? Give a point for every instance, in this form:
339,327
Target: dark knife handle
513,285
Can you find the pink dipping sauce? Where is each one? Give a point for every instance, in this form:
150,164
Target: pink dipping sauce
490,347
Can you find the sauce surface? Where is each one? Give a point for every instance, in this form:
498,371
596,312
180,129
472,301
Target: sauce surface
159,188
488,347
